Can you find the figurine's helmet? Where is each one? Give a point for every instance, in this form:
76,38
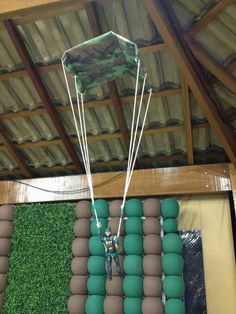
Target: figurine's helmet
108,230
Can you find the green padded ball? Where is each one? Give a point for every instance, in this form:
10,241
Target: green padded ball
94,304
133,265
133,286
96,247
96,285
96,265
173,286
170,225
169,208
93,226
134,225
102,208
134,208
174,306
133,244
172,264
133,305
172,243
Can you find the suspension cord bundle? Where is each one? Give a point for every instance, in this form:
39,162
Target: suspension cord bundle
135,139
81,133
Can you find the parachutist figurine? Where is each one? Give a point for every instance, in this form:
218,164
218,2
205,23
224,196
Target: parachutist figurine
111,244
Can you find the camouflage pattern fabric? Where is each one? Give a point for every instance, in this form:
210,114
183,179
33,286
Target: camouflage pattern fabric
100,60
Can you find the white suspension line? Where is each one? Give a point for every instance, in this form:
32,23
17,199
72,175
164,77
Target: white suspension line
84,145
136,126
73,113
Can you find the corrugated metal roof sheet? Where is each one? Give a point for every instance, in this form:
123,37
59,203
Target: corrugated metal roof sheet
188,12
47,39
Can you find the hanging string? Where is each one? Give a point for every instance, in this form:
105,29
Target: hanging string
113,15
132,156
81,134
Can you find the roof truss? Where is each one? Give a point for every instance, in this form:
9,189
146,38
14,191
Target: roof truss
172,37
37,81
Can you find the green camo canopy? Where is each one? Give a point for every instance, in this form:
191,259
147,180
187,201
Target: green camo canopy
100,60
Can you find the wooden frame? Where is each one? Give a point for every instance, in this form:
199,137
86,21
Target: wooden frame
42,91
163,19
150,182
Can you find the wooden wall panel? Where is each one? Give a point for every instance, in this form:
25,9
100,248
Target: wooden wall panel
161,181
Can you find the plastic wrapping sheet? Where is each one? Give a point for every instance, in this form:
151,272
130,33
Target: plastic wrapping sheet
195,297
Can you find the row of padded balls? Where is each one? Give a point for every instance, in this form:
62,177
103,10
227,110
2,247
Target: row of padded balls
172,260
6,229
151,262
142,286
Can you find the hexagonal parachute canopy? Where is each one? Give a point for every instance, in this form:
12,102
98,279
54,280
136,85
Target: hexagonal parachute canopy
100,60
93,63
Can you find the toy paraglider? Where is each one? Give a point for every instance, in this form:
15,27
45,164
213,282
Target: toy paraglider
92,64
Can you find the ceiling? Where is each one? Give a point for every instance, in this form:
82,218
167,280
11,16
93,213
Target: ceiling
192,115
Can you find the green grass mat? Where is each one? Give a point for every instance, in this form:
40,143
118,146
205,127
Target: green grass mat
39,274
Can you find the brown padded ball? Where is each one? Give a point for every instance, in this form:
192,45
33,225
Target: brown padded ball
7,212
151,207
114,223
4,263
3,282
80,247
79,265
113,304
6,228
83,210
152,306
114,272
5,246
114,208
115,286
76,304
82,228
78,285
152,244
152,265
151,226
152,286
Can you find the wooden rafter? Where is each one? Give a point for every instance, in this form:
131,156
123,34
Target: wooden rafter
37,8
107,137
172,37
88,105
209,16
57,66
221,73
187,121
14,152
45,171
40,88
96,30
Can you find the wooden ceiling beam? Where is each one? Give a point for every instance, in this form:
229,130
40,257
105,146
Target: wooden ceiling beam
221,73
27,11
187,121
42,91
57,66
47,171
88,105
107,136
14,152
170,32
209,16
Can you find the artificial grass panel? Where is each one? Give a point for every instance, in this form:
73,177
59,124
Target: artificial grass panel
39,274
